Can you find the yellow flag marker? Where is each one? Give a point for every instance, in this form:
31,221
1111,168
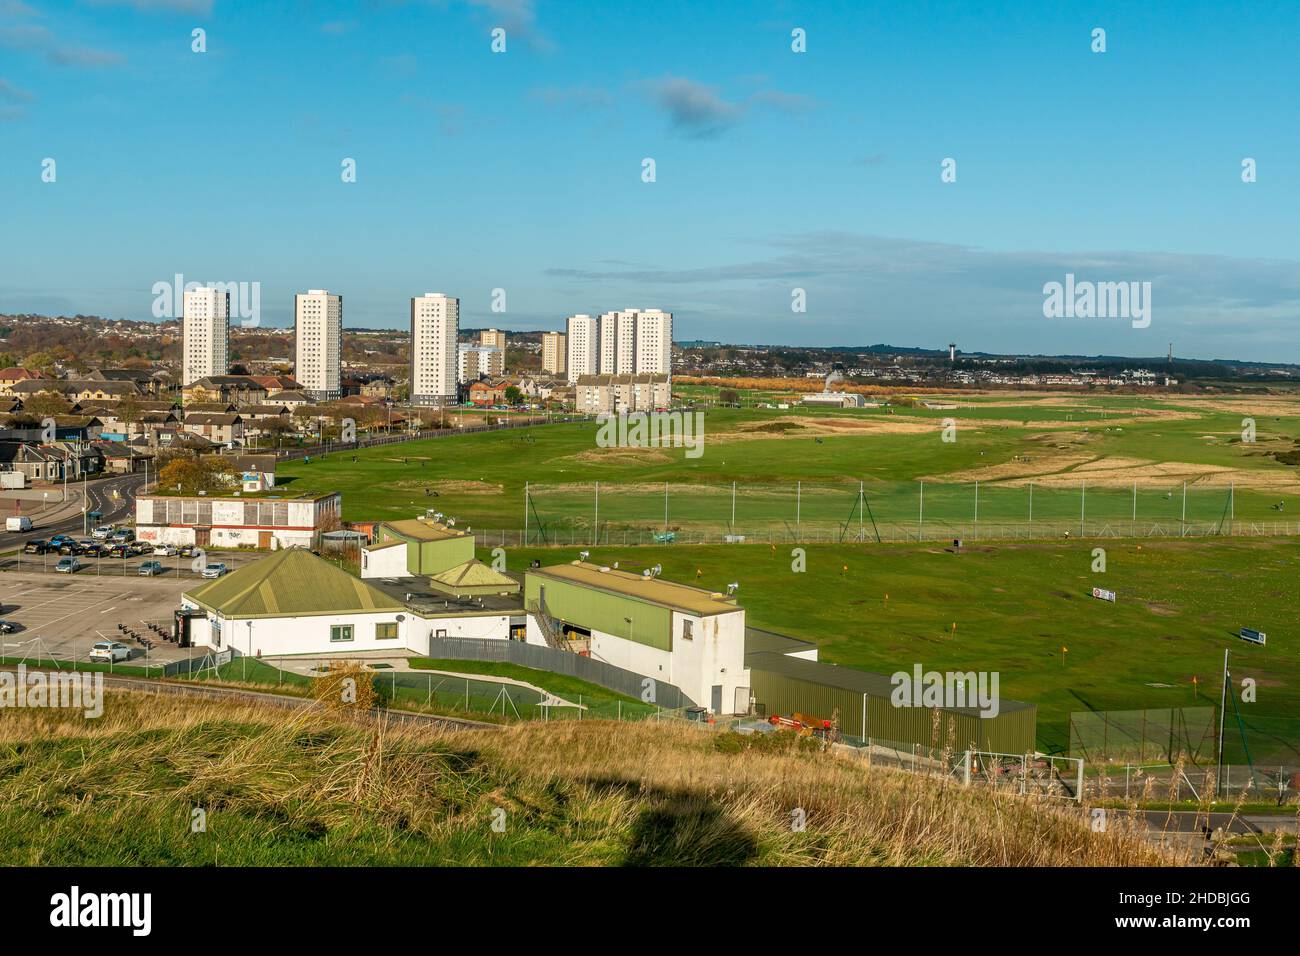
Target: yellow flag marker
1064,650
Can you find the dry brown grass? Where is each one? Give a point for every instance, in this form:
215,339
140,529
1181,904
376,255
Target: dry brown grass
573,793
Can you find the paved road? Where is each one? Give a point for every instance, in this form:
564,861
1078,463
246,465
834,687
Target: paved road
100,495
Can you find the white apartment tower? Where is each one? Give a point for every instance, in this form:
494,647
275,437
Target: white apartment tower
318,343
205,334
582,346
628,342
618,342
654,342
435,323
554,357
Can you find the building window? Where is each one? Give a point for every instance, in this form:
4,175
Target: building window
687,627
340,632
386,632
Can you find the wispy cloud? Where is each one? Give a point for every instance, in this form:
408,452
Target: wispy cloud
518,18
201,7
786,102
699,111
403,64
695,110
10,92
42,41
16,8
572,97
876,289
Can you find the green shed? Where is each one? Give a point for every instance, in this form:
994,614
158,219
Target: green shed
431,547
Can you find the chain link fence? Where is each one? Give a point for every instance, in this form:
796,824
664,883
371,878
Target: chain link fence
601,513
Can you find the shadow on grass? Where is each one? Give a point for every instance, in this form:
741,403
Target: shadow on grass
680,828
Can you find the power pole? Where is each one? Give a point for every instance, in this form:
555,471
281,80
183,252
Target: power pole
1223,703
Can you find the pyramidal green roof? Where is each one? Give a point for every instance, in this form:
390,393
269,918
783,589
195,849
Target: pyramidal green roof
289,583
474,573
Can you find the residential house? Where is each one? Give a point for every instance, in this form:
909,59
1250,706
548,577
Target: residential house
223,428
611,394
237,389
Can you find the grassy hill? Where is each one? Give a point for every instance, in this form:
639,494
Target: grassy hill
315,788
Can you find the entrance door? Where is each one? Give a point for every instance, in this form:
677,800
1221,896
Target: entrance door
263,539
716,702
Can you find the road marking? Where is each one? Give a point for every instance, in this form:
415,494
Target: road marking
107,609
73,614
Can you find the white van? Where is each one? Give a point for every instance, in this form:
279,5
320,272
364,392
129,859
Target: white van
19,523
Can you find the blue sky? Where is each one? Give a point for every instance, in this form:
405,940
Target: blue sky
775,170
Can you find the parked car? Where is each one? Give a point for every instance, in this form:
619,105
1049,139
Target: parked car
87,547
7,627
149,568
58,539
215,570
166,550
68,547
102,532
119,551
122,536
37,546
110,651
68,566
189,551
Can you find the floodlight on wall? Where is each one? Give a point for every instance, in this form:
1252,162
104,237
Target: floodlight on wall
583,555
733,587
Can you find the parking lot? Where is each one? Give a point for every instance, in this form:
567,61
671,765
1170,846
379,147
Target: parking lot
62,615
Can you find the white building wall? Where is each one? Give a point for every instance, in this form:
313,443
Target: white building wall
715,655
387,562
318,343
269,637
654,342
554,353
205,334
607,343
435,321
310,634
582,347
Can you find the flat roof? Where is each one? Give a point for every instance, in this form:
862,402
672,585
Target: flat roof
422,530
759,642
426,602
679,597
848,678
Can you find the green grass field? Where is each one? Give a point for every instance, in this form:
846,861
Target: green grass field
1118,441
1015,603
1180,604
